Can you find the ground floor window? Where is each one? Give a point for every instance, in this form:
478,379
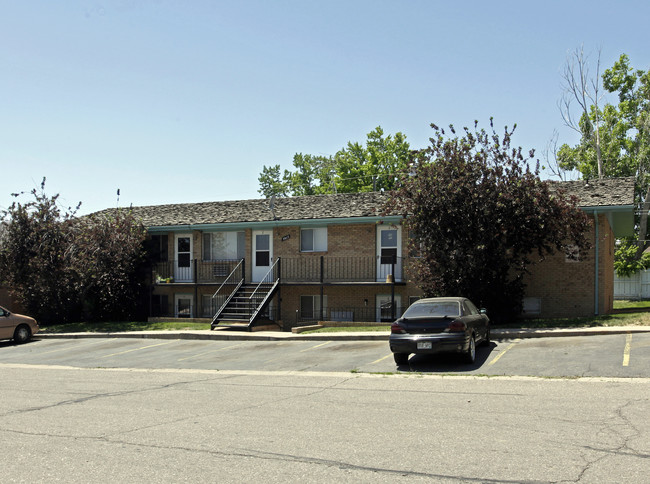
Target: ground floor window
208,306
412,299
385,303
310,307
160,305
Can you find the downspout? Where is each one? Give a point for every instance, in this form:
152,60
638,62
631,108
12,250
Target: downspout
597,281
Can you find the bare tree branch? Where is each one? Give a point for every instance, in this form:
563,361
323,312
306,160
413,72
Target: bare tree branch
578,86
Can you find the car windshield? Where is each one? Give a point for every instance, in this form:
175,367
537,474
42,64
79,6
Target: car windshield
433,309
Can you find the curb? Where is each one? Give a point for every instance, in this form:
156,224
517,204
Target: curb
497,334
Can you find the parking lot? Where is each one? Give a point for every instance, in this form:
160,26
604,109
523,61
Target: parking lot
620,355
175,410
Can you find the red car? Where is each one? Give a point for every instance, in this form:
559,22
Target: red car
16,326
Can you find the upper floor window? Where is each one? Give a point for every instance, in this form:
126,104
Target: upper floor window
313,240
223,245
158,248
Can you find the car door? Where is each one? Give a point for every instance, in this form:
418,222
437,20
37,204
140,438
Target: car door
475,319
6,324
479,321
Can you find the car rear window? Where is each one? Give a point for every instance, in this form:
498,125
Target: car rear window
434,309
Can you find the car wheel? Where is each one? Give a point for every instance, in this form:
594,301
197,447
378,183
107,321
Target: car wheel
401,358
22,334
470,354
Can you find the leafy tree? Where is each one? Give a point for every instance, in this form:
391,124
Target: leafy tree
626,262
34,261
354,168
62,267
109,257
623,131
480,217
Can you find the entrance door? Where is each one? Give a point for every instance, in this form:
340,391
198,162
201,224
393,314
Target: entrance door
389,252
262,253
183,264
183,306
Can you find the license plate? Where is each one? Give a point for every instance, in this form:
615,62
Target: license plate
424,345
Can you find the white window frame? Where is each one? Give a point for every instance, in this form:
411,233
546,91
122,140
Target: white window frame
318,239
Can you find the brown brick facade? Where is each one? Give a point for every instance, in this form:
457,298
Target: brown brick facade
558,286
567,288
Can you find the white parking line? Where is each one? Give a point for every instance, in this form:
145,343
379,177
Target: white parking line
140,348
317,346
211,351
67,348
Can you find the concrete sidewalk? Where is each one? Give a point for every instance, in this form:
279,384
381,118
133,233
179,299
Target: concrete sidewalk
230,335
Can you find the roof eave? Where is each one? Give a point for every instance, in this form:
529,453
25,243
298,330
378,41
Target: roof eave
234,226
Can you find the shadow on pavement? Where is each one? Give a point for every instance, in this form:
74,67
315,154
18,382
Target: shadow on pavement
447,362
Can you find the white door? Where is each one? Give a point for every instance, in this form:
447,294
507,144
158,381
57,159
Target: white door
262,253
183,307
389,252
183,265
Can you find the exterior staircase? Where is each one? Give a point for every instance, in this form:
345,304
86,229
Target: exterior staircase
245,305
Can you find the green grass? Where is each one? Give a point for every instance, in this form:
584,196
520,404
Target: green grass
626,304
624,319
121,326
348,329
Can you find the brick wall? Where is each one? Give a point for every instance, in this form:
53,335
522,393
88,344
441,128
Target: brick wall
567,288
360,299
564,288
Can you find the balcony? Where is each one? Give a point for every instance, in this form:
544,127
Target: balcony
192,271
333,270
292,270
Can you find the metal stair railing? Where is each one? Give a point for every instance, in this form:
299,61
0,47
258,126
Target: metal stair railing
258,302
228,299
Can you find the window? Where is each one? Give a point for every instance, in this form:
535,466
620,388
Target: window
572,253
160,305
208,306
470,308
158,248
224,245
313,240
310,307
385,310
389,246
412,299
532,306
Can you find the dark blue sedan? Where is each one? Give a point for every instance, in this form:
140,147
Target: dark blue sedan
436,325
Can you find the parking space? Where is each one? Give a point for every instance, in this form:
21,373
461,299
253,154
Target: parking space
623,355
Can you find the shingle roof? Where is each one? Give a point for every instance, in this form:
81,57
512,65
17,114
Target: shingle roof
608,192
343,205
594,193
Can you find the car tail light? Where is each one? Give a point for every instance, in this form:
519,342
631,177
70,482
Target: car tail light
457,326
397,328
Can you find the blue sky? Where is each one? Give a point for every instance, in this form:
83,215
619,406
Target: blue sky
184,101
